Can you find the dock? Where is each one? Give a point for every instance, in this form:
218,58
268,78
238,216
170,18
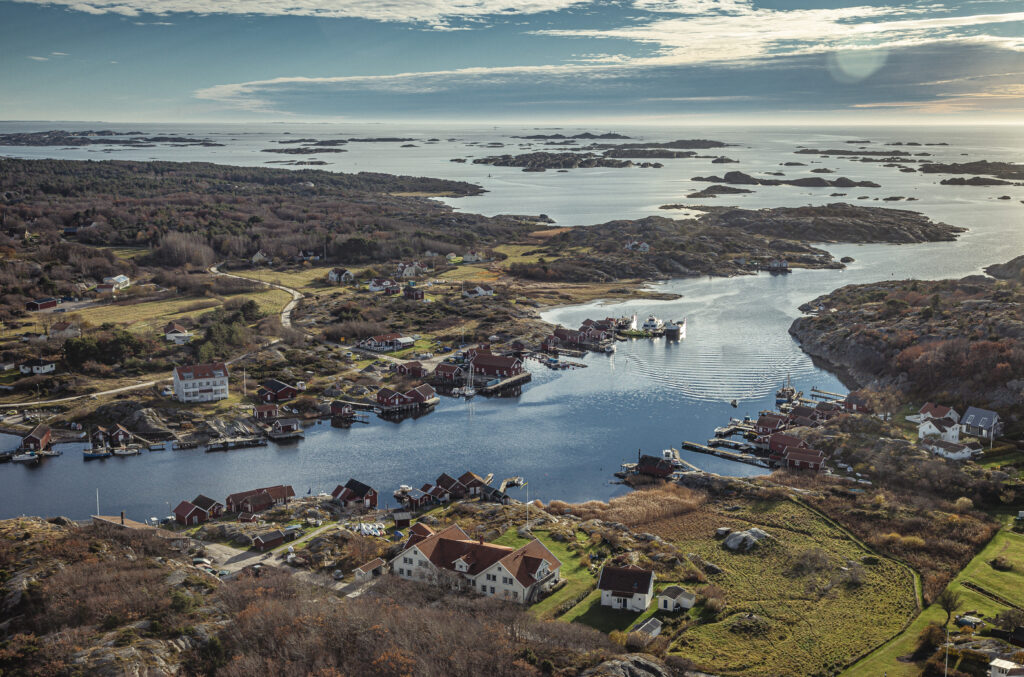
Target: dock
732,444
510,382
226,443
722,453
819,394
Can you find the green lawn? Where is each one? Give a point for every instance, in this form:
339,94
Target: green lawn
574,570
1009,585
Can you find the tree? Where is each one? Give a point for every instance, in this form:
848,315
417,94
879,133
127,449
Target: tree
1010,619
949,601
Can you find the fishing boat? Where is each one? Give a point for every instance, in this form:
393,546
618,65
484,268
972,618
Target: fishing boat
49,452
653,324
786,393
89,454
126,451
26,457
673,331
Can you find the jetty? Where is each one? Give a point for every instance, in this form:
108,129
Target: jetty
722,453
819,394
226,443
510,382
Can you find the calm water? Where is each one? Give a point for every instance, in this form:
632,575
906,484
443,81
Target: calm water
567,431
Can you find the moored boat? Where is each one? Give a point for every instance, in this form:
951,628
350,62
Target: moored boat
89,454
652,324
49,452
126,451
673,331
26,457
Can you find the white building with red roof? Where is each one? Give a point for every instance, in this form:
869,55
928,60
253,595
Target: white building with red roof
201,382
516,574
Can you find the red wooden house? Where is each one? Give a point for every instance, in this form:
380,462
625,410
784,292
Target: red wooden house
488,364
422,393
355,494
188,513
38,439
120,436
768,424
451,486
386,397
654,466
268,540
412,293
342,410
211,507
448,372
266,412
474,483
413,369
796,458
256,500
273,390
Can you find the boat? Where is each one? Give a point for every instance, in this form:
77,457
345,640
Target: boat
673,331
49,452
653,324
786,393
609,349
682,328
26,457
158,446
734,404
126,451
89,454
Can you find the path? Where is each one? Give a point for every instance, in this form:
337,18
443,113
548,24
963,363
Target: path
286,312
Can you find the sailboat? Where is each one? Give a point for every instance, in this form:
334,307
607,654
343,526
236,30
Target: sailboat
468,390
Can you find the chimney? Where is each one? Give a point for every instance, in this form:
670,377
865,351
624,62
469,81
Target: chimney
122,518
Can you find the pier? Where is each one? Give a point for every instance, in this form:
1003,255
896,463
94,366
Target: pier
226,443
509,382
721,453
818,393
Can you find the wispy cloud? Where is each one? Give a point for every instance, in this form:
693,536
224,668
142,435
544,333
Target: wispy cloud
59,54
39,58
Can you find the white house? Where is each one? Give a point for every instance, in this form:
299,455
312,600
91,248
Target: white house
982,423
259,257
118,281
409,270
38,366
675,598
954,451
340,275
1000,667
478,291
380,284
630,588
932,410
177,334
473,256
201,382
945,429
516,574
635,246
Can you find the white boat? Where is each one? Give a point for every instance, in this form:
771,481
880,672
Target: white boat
653,324
49,452
27,457
127,451
672,330
609,349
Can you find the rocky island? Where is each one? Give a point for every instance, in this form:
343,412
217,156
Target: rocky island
744,179
1004,172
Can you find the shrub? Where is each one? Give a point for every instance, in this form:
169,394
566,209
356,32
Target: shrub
1001,564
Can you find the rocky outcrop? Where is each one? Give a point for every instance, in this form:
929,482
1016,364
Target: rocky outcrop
542,160
974,181
1011,270
1001,170
713,191
631,665
742,178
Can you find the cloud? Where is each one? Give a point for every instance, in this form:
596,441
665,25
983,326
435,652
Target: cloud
430,12
39,58
59,54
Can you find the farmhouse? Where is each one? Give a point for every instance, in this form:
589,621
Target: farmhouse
675,598
38,439
273,390
340,275
519,574
201,382
630,587
355,494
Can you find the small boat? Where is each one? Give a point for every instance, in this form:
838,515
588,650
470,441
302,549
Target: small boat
127,451
89,454
26,457
609,349
787,393
734,404
653,324
49,452
673,331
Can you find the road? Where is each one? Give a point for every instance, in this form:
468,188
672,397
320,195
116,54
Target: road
286,312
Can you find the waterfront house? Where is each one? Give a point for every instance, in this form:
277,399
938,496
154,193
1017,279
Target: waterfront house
478,291
674,598
371,569
119,436
448,372
265,412
201,382
494,495
630,587
451,486
268,540
654,466
945,429
777,442
341,409
982,423
489,364
286,427
37,366
474,483
386,397
212,507
421,394
256,500
550,344
767,425
355,494
38,439
188,514
799,458
273,390
824,411
41,304
516,574
414,369
340,275
100,437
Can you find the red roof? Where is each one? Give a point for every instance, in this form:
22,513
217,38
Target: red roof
185,508
496,361
212,370
935,410
447,368
452,544
804,455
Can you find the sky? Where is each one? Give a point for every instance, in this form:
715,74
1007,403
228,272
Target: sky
643,61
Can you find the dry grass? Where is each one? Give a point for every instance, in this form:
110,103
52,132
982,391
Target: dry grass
550,232
637,507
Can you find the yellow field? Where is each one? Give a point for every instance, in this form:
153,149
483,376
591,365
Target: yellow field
151,316
470,274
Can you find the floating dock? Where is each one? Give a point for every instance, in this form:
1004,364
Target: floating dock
722,453
224,444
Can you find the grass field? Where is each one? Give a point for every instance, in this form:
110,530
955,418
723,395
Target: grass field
126,253
1008,585
152,315
470,273
812,623
301,279
575,570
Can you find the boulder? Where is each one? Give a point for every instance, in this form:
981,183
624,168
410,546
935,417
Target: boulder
744,540
631,665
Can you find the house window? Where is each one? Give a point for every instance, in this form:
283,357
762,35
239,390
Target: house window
515,595
492,589
401,572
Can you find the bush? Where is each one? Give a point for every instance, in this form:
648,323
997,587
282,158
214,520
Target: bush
1001,564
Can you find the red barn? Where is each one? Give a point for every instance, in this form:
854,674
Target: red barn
41,304
38,439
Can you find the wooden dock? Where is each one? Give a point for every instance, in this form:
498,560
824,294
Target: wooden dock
510,382
722,453
226,443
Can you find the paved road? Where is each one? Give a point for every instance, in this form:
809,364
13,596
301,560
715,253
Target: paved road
286,312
